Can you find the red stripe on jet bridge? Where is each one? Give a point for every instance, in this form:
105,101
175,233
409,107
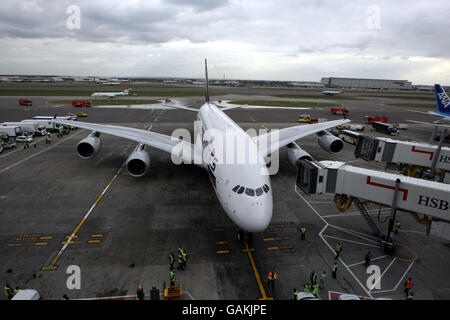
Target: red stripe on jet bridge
413,149
405,192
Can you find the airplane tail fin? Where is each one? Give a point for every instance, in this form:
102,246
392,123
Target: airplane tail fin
206,82
442,100
342,91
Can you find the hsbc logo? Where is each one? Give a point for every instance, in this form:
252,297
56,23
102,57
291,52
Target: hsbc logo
444,99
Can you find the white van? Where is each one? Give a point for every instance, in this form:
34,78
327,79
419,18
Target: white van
27,294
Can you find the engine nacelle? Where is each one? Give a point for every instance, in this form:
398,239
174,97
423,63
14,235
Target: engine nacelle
89,146
295,154
330,143
138,163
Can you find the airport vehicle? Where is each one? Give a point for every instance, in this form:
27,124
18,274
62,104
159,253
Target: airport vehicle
7,144
27,127
25,102
12,131
81,104
370,119
111,94
348,296
349,126
81,114
385,128
27,294
339,111
349,136
306,296
47,124
442,107
243,188
24,139
332,93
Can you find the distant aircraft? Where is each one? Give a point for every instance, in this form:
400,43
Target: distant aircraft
243,187
111,94
442,108
332,93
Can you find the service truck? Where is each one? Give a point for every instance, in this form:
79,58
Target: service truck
11,131
27,127
385,128
370,119
25,102
47,124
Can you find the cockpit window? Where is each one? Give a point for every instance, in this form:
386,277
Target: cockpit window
259,191
266,188
241,189
250,192
236,188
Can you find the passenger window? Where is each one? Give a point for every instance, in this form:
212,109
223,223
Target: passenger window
235,188
250,192
241,189
259,192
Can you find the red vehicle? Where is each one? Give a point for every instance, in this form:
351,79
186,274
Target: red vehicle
369,119
339,111
81,104
25,102
313,120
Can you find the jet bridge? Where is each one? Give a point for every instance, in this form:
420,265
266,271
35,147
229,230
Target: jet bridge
412,158
360,186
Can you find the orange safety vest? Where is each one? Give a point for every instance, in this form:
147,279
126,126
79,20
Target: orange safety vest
273,275
409,284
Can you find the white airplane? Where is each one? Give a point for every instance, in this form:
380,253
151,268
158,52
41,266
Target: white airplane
332,93
111,94
442,109
243,189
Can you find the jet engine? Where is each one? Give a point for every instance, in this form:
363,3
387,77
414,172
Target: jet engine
138,163
89,146
330,143
295,154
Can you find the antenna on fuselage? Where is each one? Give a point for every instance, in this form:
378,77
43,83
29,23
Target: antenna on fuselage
206,82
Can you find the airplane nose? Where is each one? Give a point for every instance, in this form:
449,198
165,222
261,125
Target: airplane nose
258,217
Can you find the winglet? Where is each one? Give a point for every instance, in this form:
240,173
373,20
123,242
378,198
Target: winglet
206,82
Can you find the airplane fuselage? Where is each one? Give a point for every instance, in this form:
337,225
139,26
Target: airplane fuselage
238,174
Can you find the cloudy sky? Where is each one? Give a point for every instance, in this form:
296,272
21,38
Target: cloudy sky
244,39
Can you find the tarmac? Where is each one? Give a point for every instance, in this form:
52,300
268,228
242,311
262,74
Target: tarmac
122,229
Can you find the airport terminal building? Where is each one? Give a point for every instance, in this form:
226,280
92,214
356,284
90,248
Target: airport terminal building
356,83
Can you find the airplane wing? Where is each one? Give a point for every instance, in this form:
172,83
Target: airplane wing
184,150
291,134
430,124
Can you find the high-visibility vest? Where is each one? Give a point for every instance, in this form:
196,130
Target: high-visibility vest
180,259
16,291
323,277
315,289
273,276
294,295
410,297
314,277
397,225
334,268
184,256
171,259
338,248
408,284
172,276
307,288
8,291
303,230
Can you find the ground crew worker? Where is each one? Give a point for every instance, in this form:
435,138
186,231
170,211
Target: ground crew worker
338,250
315,290
65,297
408,286
180,250
307,287
323,279
16,290
303,233
397,227
34,144
313,278
180,262
171,260
410,296
368,258
25,145
334,270
184,258
172,277
272,277
294,294
140,292
9,291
